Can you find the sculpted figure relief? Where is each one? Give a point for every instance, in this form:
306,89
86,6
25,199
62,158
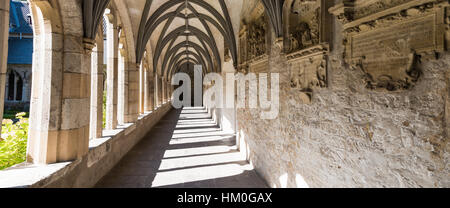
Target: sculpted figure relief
252,39
303,24
309,74
306,44
257,38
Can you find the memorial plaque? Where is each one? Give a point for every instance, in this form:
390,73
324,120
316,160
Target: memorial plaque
387,44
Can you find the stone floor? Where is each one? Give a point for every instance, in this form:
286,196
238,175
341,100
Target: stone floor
184,150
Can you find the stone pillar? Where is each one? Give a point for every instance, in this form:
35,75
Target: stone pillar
121,88
168,91
4,30
142,88
151,95
16,79
148,91
156,91
163,91
59,121
132,110
112,73
26,85
96,122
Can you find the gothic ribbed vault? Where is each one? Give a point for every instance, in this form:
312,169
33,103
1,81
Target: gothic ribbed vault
180,31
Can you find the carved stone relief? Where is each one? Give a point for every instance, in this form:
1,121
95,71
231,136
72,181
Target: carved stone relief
388,40
253,39
308,73
243,67
303,27
307,44
256,41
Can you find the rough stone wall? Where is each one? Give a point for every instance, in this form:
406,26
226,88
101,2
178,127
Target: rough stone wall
350,136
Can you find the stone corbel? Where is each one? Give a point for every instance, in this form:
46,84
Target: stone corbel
243,68
89,45
279,44
122,50
227,55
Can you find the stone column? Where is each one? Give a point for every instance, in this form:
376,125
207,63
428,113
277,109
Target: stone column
112,73
170,92
168,96
156,91
132,110
172,89
121,88
151,95
26,85
163,90
59,121
148,93
4,30
24,90
15,87
96,122
141,89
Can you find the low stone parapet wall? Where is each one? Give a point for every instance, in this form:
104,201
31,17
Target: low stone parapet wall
104,154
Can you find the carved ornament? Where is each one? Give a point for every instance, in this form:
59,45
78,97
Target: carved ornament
387,39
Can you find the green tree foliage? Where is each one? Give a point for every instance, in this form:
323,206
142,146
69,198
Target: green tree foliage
13,146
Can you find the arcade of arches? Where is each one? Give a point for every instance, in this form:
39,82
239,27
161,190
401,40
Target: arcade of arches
364,93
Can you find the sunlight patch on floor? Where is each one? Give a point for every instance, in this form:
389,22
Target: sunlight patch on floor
218,158
186,150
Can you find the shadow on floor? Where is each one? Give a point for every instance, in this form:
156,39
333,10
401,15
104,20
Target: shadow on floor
184,150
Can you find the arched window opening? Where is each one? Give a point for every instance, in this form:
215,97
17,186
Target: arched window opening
111,60
19,89
97,119
16,90
11,86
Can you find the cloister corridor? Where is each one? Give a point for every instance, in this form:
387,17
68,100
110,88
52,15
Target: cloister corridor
186,149
296,93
